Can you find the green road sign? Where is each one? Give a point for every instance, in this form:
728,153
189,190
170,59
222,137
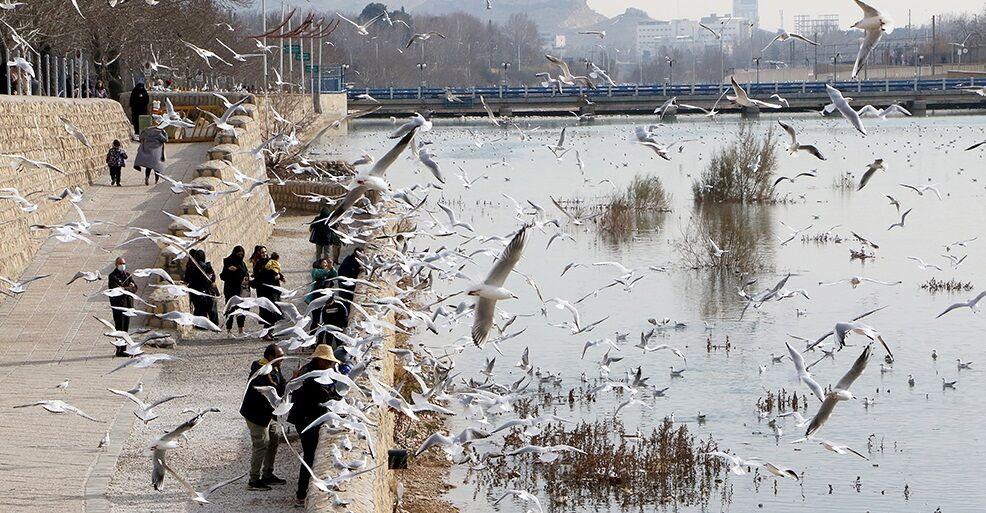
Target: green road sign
291,48
309,68
304,57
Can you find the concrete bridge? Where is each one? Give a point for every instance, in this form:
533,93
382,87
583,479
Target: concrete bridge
918,96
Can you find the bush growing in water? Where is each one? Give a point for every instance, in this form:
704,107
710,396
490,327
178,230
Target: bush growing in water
742,171
621,214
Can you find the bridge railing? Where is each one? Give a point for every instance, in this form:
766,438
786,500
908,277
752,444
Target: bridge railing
472,94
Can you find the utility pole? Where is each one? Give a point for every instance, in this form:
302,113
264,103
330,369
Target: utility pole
934,44
263,28
280,42
835,68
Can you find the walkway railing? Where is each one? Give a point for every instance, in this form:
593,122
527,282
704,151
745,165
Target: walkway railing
762,89
68,76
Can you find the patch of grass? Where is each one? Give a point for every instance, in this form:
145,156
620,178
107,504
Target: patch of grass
633,209
743,171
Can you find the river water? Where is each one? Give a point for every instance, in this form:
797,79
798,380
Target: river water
931,443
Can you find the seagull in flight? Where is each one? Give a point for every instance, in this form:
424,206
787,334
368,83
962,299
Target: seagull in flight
794,147
840,392
874,24
491,290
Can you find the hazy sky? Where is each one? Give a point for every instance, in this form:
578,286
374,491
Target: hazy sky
921,10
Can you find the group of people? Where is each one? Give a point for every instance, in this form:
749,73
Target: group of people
331,287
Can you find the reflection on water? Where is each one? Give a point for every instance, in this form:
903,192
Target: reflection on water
927,446
741,231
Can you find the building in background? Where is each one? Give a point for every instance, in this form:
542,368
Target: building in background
655,34
747,9
808,25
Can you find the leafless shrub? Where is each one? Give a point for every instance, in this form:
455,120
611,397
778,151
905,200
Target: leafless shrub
735,229
844,182
743,171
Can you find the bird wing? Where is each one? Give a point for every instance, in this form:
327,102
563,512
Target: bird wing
706,27
868,10
483,319
869,42
380,167
822,415
737,90
224,483
866,178
790,131
353,23
803,38
974,146
855,371
184,484
130,396
560,63
811,149
431,441
508,259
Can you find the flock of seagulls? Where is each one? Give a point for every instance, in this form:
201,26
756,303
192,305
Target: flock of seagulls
454,252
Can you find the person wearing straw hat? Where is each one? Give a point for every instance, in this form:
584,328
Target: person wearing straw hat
308,406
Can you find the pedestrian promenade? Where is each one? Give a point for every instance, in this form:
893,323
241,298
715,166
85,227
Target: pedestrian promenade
50,462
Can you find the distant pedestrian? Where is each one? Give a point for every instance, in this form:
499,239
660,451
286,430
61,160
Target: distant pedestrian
309,404
116,158
121,279
259,415
99,91
200,277
139,100
327,242
150,153
235,277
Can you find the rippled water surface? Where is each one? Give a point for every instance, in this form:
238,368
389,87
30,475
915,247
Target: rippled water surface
931,438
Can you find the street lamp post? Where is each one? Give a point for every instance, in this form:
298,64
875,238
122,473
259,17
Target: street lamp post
835,67
670,69
757,61
503,79
421,72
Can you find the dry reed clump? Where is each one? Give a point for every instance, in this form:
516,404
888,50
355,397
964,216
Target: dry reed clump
844,182
743,171
934,285
781,402
634,208
630,469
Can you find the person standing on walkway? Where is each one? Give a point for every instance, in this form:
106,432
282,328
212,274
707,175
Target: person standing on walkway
260,420
99,91
200,277
150,153
350,268
233,275
327,242
139,100
309,404
321,275
262,278
116,158
122,279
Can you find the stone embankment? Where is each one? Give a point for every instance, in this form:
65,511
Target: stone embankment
31,127
240,219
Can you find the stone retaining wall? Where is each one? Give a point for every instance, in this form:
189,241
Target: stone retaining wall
288,195
242,220
372,492
30,126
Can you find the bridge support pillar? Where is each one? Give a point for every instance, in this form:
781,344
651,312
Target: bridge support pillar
918,108
587,110
752,112
505,111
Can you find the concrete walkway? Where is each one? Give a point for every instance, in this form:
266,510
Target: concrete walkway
51,462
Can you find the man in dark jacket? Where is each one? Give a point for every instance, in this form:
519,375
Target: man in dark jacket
139,100
324,239
122,279
259,415
308,406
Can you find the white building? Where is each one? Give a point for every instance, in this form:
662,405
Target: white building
653,35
